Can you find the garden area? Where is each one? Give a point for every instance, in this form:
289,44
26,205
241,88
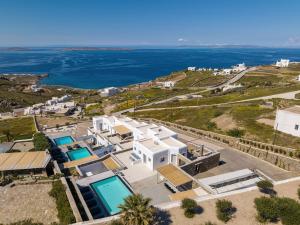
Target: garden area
16,129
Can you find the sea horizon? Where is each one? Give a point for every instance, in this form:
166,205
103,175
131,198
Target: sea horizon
96,69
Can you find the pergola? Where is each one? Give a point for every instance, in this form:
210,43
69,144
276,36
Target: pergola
122,131
175,176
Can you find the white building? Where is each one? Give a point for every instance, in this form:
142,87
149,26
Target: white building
239,68
226,72
231,86
56,100
191,68
288,121
169,84
35,88
110,91
283,63
151,144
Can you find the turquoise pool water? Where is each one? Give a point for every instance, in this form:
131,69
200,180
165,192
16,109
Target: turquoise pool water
63,140
78,153
112,192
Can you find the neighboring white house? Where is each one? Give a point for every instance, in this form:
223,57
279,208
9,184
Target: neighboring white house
231,86
283,63
110,91
56,100
288,121
35,88
191,68
239,68
226,71
151,144
169,84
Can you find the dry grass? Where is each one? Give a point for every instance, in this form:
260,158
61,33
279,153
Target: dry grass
27,201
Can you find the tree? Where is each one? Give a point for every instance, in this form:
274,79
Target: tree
41,142
225,210
136,210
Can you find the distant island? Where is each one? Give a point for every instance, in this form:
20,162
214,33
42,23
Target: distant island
96,49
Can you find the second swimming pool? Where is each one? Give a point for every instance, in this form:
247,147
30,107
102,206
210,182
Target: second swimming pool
78,153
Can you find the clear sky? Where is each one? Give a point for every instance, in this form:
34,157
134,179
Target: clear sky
149,22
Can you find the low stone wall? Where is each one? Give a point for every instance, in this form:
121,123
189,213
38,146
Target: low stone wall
284,162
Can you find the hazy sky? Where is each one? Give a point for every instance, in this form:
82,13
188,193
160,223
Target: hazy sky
149,22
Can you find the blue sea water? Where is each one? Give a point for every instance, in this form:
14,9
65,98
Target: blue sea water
98,69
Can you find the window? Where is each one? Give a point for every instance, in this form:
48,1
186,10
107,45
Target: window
162,159
149,159
296,127
140,152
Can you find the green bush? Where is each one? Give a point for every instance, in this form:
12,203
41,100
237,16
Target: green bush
189,206
225,210
264,185
65,214
267,209
273,209
236,132
289,211
209,223
188,203
41,142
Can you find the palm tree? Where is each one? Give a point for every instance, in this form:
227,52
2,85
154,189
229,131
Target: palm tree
136,210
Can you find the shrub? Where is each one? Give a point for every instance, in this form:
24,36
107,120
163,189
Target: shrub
65,214
209,223
189,206
236,132
265,186
267,209
188,203
289,211
225,210
41,142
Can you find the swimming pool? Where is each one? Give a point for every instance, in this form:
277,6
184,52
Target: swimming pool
63,140
112,192
78,153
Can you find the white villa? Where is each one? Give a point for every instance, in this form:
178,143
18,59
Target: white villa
152,145
169,84
56,100
239,68
283,63
288,121
110,91
191,68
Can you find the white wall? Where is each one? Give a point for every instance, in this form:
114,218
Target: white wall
286,122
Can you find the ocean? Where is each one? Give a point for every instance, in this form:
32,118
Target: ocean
104,68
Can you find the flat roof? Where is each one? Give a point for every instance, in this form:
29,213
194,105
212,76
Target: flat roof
24,160
173,142
293,109
121,130
174,175
153,145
